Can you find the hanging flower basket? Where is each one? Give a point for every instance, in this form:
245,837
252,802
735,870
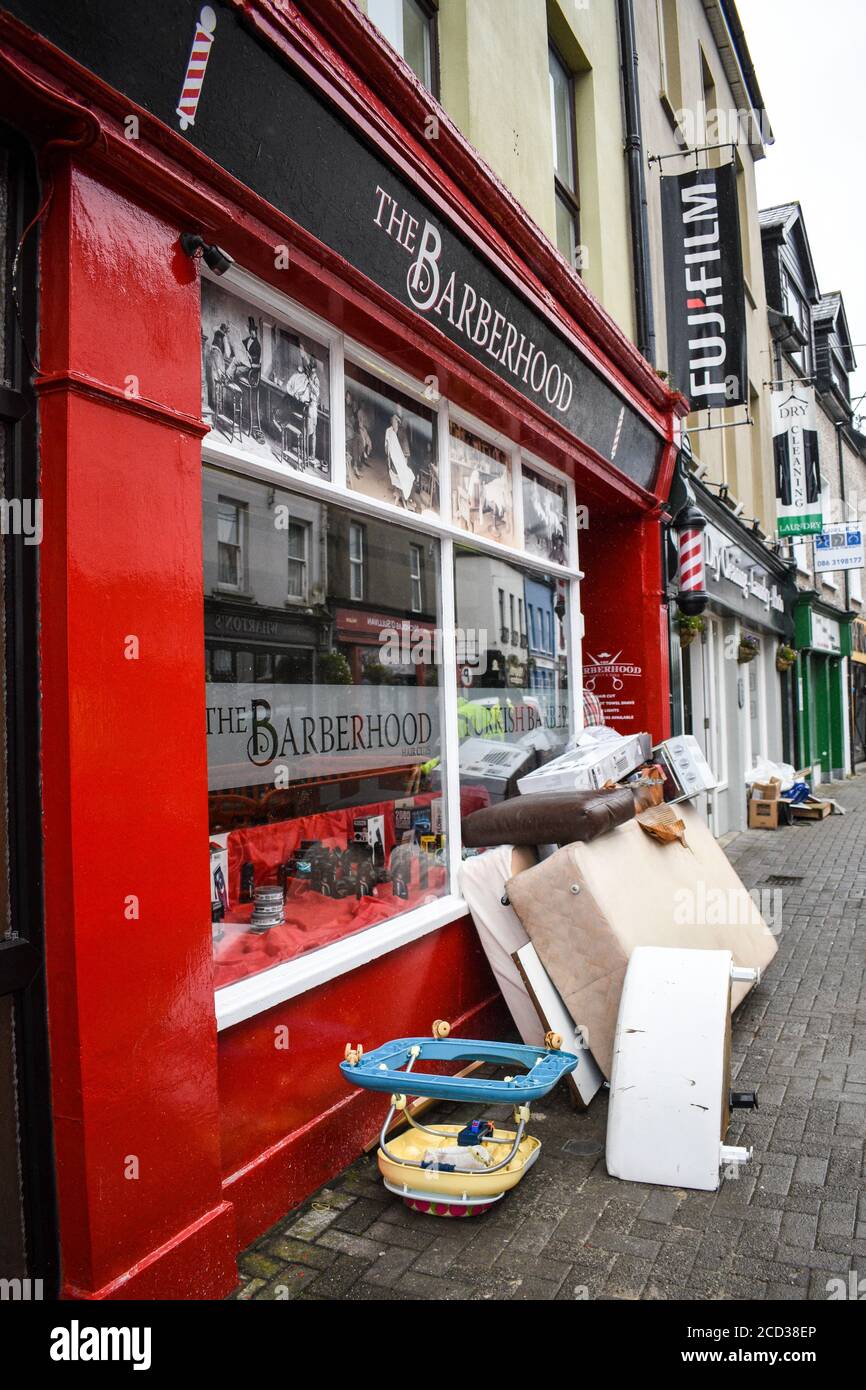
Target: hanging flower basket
785,658
748,648
689,627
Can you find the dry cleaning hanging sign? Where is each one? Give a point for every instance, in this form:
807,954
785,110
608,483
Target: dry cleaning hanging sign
706,314
795,455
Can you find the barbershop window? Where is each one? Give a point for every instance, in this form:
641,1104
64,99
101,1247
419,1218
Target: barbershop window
513,710
562,117
410,27
325,775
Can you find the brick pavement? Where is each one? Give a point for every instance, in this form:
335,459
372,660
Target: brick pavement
793,1221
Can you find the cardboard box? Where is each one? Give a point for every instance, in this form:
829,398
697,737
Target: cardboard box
767,791
763,814
812,810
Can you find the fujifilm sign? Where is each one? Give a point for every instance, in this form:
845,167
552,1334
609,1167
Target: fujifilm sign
704,284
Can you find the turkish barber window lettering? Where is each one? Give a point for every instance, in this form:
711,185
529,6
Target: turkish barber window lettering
391,449
481,498
265,385
513,710
323,722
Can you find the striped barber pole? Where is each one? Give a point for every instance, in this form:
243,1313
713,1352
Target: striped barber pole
692,597
195,68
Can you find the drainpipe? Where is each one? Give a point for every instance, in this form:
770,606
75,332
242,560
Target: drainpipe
644,320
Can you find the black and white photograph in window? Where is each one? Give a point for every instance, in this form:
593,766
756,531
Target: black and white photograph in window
481,497
391,444
265,385
545,519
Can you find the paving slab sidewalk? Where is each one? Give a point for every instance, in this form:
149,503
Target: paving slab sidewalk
794,1221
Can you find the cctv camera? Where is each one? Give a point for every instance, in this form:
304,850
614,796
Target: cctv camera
214,257
217,260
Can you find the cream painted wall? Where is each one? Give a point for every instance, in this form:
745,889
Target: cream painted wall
741,457
494,86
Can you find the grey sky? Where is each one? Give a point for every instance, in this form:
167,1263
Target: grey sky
811,64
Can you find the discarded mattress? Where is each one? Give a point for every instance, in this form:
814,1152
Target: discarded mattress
588,905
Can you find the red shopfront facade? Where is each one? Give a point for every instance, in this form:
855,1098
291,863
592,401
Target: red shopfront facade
183,1130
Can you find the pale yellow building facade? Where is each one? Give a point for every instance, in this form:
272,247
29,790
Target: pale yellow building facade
494,75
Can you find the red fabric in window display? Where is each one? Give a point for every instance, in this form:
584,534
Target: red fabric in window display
313,919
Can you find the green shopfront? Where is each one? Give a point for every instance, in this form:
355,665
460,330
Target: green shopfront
823,639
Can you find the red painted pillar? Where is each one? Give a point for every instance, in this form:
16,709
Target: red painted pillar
130,993
626,621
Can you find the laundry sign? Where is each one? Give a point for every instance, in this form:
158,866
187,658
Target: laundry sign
839,547
795,455
706,314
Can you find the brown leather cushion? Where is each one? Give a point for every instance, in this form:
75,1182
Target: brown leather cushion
548,818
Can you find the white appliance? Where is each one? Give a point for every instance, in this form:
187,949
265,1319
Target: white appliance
600,755
670,1083
687,769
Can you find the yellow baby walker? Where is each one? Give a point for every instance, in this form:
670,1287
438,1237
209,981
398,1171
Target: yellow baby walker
448,1169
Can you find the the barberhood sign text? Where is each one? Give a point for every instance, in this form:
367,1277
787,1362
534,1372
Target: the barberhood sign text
431,289
315,730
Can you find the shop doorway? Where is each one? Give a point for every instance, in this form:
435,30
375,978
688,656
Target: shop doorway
27,1221
709,716
754,713
858,697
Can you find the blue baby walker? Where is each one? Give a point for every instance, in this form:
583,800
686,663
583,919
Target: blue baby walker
447,1169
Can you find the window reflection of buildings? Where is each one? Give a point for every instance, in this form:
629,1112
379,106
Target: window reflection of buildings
490,599
265,582
380,577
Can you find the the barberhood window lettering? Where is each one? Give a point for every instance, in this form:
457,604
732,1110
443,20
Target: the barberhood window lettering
432,290
703,285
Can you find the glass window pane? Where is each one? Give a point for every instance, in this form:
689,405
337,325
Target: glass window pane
566,231
391,444
416,41
481,500
513,710
265,385
407,27
323,729
562,117
545,522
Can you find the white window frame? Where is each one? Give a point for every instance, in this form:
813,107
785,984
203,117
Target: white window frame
304,559
416,573
357,583
240,509
253,994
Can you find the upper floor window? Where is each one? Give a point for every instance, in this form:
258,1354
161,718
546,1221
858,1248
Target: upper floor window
410,27
415,578
299,557
798,308
670,76
564,157
356,561
230,544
